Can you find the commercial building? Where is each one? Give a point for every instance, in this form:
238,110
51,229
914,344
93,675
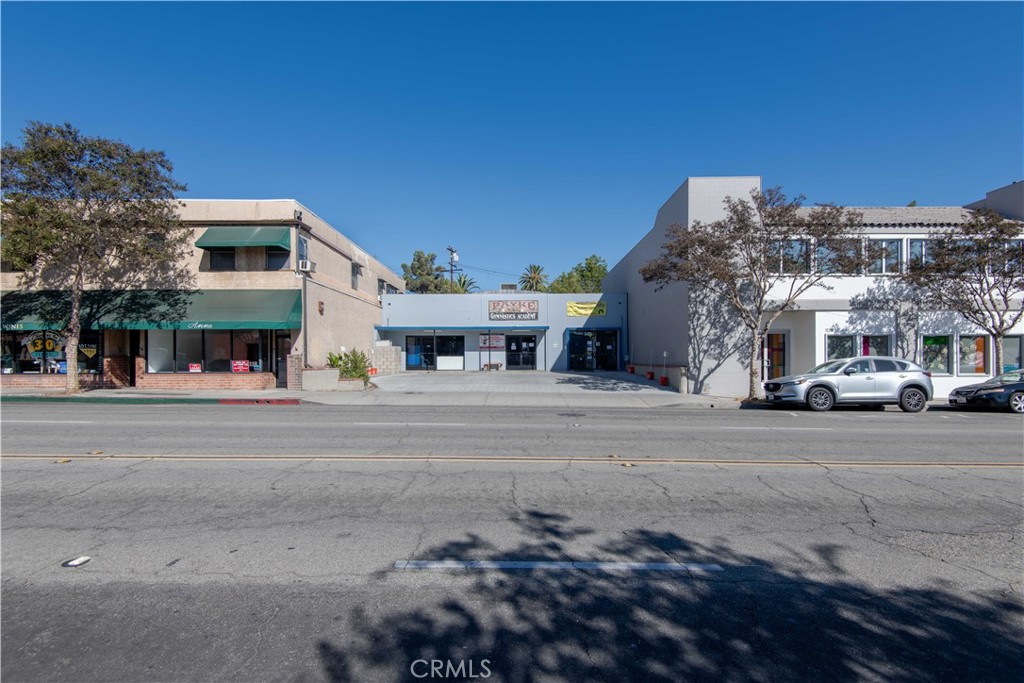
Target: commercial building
277,288
512,330
859,313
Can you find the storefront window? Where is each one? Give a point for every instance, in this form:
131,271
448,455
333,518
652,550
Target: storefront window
208,351
875,345
973,355
1012,359
42,351
840,346
936,354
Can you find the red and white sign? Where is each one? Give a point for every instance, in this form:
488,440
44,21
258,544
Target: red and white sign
239,366
492,342
195,367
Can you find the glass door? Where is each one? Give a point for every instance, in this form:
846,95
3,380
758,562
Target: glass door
521,352
419,353
773,355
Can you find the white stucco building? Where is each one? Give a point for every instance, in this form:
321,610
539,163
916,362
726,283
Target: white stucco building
853,314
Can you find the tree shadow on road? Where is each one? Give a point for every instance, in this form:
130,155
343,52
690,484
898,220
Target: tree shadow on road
753,621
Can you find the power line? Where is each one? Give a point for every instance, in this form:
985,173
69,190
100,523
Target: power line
485,270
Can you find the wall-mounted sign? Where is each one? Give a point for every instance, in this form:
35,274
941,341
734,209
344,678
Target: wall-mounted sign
492,342
512,309
88,350
239,366
585,309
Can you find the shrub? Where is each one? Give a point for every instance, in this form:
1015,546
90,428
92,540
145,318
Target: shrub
351,365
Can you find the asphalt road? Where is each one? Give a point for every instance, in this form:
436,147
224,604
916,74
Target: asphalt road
314,430
747,549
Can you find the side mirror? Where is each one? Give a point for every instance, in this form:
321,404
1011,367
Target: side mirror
852,370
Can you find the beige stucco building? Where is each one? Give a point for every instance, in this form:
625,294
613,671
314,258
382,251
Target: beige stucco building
277,289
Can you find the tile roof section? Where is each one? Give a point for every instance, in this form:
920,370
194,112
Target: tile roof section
908,216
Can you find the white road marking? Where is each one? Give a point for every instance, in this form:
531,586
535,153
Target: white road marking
77,562
782,429
598,566
408,424
50,422
794,415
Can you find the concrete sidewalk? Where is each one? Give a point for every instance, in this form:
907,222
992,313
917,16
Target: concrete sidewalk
490,389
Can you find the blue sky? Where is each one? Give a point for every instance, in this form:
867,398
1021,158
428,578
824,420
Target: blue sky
531,132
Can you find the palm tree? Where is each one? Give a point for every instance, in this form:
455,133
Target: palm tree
533,278
464,284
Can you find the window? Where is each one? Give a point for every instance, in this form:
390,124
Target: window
277,258
874,345
357,270
883,365
303,249
935,355
839,346
973,355
43,352
838,257
451,346
187,351
1012,353
222,258
919,255
849,345
889,255
793,257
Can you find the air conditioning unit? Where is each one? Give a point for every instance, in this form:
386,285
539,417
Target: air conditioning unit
306,266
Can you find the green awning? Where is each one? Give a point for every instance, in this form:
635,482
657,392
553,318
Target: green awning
210,309
246,236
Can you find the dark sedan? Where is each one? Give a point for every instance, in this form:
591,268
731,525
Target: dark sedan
1005,391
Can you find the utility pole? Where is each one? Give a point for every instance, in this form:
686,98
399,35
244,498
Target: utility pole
453,258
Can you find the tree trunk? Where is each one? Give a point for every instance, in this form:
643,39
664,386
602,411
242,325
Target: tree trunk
754,390
74,333
997,341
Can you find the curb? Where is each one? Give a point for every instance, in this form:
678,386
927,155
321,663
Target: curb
115,400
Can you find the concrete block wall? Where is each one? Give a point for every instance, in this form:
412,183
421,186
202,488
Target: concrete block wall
294,372
386,359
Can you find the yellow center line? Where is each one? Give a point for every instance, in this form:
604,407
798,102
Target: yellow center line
793,462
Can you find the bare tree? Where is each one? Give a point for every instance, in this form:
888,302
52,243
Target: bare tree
761,258
975,269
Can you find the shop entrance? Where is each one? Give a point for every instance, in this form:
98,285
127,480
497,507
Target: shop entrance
593,350
521,352
283,346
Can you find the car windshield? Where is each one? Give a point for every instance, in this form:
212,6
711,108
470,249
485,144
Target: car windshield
1010,377
827,368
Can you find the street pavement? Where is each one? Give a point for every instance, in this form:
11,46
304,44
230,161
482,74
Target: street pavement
552,541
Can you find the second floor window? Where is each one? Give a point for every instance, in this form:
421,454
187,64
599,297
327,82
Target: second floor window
793,257
277,258
222,258
889,256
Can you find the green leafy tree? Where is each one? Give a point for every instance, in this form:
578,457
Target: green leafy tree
977,270
423,276
88,213
583,277
464,284
759,258
533,278
566,283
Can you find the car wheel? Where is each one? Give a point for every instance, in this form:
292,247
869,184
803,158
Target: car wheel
820,399
1016,402
913,400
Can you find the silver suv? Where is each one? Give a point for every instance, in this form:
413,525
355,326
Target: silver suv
871,380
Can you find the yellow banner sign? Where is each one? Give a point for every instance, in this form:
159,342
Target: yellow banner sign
586,308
